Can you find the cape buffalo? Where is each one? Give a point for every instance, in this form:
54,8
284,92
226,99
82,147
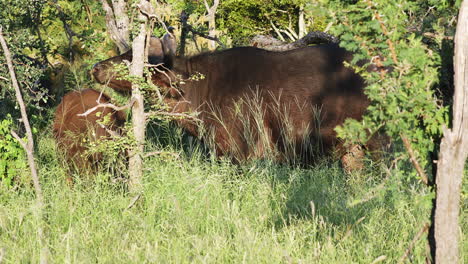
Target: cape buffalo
253,102
73,133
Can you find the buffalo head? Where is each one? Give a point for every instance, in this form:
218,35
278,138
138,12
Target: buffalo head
160,53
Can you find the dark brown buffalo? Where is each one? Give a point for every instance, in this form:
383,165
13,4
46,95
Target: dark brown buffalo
254,102
74,133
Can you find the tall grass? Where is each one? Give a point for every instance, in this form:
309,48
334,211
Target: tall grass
194,210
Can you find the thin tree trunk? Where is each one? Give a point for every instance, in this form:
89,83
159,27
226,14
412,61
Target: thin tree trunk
138,111
183,32
301,23
29,148
453,154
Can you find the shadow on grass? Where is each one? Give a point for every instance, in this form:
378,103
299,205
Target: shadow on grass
321,191
168,135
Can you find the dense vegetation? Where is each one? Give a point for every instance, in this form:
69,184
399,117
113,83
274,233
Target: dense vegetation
198,209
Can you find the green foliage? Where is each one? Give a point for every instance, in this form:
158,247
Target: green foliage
403,101
12,156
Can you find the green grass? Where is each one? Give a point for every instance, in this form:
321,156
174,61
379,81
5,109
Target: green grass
198,211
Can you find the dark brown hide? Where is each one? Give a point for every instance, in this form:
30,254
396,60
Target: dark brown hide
74,132
289,100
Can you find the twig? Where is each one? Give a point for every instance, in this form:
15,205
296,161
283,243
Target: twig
108,105
413,242
203,35
432,35
111,132
134,200
21,141
3,78
414,160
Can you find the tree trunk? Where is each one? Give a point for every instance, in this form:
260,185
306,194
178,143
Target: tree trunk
212,23
117,23
453,154
138,111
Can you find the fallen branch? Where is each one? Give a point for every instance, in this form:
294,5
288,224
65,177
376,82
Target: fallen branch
414,160
108,105
176,115
315,37
413,242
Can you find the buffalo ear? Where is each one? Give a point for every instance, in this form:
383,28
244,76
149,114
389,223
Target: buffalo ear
155,51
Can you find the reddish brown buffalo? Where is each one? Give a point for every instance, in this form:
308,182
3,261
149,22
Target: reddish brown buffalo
73,133
255,102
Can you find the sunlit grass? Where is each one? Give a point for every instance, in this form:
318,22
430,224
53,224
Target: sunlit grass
202,211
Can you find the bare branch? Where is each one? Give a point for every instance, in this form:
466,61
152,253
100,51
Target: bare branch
19,98
29,149
111,132
413,242
277,31
203,35
20,140
134,200
108,105
3,78
432,35
414,160
147,9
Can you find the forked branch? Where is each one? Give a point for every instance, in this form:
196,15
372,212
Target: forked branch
108,105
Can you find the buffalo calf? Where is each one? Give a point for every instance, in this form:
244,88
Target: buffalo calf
73,132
